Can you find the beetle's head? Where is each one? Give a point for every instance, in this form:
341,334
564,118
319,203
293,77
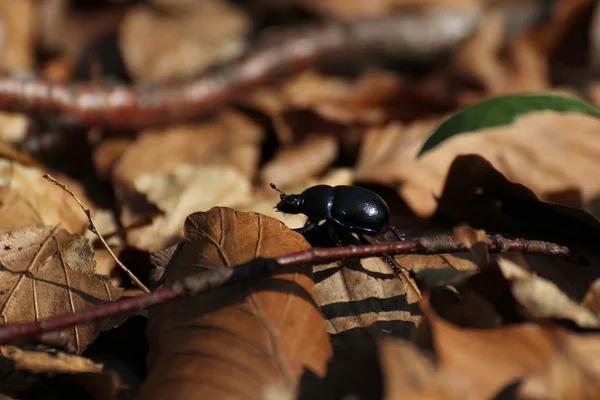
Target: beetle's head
288,203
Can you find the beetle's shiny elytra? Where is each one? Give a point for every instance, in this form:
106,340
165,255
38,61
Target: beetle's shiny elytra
350,207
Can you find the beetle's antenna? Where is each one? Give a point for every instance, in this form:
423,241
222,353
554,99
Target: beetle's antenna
275,187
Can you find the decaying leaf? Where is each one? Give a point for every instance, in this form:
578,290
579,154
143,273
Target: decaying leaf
182,42
541,299
349,9
364,299
48,272
180,193
183,170
370,99
237,340
17,21
480,362
301,161
26,198
533,151
229,138
408,373
49,363
572,373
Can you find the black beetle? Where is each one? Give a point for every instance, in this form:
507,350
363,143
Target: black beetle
349,208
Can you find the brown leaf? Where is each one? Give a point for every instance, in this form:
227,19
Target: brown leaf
363,299
573,372
47,272
25,366
334,100
407,373
39,362
237,340
542,300
533,151
480,362
26,198
18,22
300,161
221,140
177,195
182,42
200,167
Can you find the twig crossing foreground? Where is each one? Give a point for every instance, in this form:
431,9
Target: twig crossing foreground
208,280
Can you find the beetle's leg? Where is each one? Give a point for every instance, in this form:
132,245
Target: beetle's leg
397,268
334,236
307,227
399,235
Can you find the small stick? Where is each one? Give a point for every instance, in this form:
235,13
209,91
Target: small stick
123,107
93,228
259,267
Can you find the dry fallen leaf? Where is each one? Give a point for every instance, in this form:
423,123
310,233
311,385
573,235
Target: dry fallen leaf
26,198
364,299
178,194
408,373
17,21
235,341
369,100
545,151
352,9
300,161
181,42
480,362
573,373
542,300
182,170
48,272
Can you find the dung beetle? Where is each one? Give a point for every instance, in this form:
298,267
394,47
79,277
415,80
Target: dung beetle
352,209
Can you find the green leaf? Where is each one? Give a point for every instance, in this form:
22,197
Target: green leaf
502,110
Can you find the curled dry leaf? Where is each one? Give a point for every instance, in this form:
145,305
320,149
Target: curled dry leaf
183,41
533,151
48,272
368,100
573,373
352,9
480,362
41,362
229,138
542,300
523,68
26,198
301,161
182,170
408,373
186,190
362,299
17,21
233,342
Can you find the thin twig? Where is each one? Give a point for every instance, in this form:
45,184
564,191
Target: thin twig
95,230
418,34
212,279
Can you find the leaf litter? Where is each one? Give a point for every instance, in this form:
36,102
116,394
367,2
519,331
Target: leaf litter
193,196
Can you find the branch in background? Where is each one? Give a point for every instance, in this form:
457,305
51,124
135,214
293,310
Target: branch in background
122,107
212,279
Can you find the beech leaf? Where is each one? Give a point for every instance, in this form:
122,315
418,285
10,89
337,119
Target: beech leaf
236,341
502,110
45,272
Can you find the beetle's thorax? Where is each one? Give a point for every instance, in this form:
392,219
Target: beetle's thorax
290,204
